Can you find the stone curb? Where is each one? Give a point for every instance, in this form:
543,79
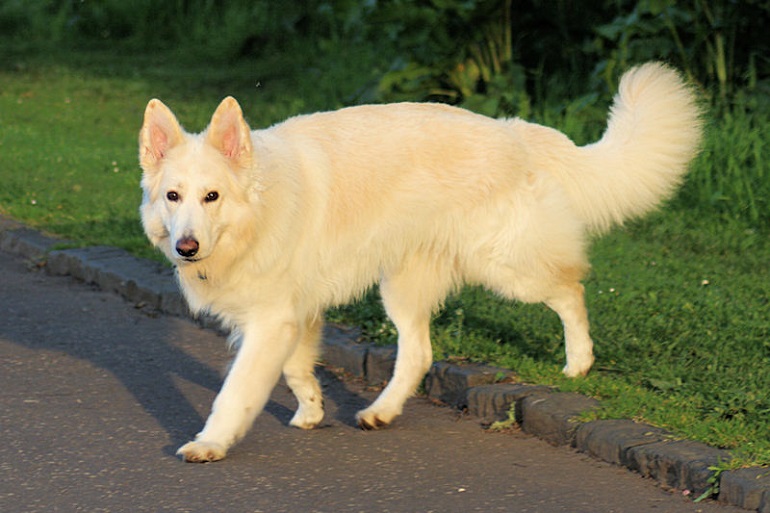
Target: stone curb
485,392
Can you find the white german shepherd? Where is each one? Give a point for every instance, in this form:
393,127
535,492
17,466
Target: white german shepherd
269,228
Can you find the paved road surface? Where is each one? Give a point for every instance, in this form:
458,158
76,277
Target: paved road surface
96,396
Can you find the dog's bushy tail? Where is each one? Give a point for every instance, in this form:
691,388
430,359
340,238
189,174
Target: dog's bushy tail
654,131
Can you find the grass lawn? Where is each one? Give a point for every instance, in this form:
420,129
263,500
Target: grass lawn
679,302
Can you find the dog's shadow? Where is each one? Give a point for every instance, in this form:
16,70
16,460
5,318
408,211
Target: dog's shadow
341,401
181,419
171,368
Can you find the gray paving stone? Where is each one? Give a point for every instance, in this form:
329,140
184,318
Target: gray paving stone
172,301
553,417
340,351
610,440
80,263
135,280
25,242
681,464
493,402
449,383
115,270
380,361
60,263
748,488
9,225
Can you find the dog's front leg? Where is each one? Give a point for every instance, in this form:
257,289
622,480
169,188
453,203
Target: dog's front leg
264,348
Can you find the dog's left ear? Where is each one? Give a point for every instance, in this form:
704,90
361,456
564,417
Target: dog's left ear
229,133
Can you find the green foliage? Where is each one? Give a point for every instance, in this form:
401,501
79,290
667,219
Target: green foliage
496,56
713,481
488,55
455,50
732,175
717,43
207,28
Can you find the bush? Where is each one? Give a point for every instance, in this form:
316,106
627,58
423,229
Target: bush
720,44
451,50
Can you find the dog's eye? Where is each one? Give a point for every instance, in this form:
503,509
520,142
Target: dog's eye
172,196
212,196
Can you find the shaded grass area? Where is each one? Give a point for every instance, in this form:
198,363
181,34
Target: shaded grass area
678,302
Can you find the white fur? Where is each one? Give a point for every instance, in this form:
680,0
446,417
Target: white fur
419,197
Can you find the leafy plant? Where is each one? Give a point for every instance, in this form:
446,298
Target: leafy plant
445,60
714,42
732,174
713,481
505,424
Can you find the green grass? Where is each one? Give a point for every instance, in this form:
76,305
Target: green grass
679,302
68,132
65,156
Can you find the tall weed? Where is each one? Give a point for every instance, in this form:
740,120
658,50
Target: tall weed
731,177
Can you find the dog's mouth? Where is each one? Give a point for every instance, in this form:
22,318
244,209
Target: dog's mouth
189,260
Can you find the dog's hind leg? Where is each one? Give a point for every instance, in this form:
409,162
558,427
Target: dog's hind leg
409,296
299,374
568,301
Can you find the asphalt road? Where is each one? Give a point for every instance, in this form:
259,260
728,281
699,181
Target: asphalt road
97,394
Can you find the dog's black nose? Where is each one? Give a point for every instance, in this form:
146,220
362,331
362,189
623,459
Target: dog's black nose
187,247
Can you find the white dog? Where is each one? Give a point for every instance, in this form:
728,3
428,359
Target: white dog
269,228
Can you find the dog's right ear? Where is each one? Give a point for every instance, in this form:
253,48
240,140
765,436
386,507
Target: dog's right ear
160,132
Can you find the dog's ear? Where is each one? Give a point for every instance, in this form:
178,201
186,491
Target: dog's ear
229,133
160,132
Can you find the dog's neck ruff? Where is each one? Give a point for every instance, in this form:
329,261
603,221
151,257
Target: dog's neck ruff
192,274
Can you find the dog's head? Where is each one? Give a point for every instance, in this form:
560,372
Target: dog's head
192,183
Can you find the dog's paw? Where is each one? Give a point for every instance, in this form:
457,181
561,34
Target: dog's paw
307,418
369,420
201,452
576,368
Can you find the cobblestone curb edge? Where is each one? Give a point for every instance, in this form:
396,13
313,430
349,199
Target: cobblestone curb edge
485,392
